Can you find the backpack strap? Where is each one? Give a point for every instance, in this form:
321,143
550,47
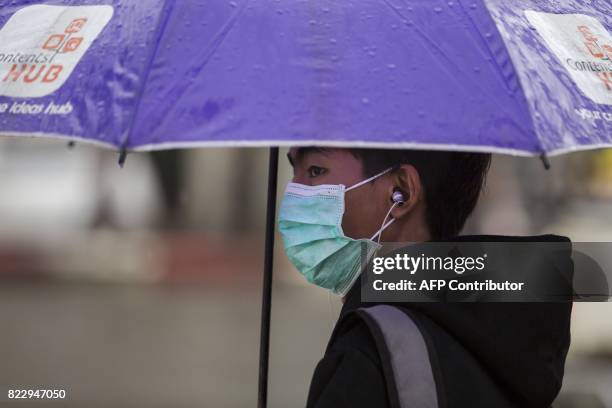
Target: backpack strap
404,356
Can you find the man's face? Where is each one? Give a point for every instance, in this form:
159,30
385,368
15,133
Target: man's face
365,206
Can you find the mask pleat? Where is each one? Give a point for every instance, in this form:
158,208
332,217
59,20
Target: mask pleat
343,263
312,210
295,233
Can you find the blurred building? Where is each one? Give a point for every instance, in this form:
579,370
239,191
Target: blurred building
141,286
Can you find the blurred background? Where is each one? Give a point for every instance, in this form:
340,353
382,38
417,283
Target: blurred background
141,286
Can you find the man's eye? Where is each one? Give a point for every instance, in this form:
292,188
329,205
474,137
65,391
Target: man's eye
314,171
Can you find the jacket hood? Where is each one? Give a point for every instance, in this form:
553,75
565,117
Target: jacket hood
522,345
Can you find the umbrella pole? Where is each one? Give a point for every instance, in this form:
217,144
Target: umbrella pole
545,161
264,342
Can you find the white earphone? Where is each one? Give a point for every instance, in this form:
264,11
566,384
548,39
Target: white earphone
398,200
398,197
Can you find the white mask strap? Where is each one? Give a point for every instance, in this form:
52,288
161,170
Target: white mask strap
361,183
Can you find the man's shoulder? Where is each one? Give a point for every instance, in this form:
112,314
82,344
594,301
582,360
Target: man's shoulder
350,373
352,333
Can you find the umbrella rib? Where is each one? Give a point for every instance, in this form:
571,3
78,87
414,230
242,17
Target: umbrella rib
208,53
162,22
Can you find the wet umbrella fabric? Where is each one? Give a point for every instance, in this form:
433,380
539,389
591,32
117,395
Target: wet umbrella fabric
511,76
520,76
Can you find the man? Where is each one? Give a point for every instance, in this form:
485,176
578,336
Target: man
461,354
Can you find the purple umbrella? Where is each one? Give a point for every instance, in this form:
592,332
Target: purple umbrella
528,77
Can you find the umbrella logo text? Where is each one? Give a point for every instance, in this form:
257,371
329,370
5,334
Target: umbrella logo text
41,45
584,47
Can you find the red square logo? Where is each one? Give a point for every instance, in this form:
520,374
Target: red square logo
75,25
608,49
54,42
594,49
72,44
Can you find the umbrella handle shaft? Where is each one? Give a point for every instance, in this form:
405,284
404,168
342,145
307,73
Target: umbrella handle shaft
264,345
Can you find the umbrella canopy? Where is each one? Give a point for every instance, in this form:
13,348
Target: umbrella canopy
511,76
520,76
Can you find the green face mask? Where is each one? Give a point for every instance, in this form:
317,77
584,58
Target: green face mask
310,223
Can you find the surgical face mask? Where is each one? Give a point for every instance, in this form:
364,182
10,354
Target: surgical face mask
310,223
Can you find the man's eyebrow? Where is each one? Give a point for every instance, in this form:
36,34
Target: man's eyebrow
301,152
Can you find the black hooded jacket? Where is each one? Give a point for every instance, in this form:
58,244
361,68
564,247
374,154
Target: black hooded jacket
482,354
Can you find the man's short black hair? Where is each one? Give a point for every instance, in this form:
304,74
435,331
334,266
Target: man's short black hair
452,182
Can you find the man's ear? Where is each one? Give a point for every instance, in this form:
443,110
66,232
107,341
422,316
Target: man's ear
406,179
